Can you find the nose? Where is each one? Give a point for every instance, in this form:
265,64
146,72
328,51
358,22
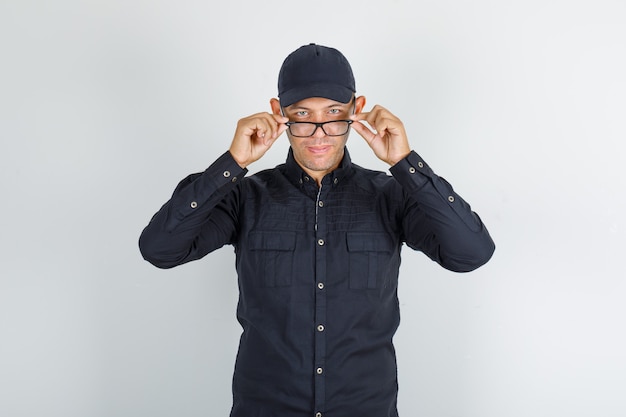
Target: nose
319,132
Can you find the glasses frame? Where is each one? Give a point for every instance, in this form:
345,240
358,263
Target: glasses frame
320,125
317,126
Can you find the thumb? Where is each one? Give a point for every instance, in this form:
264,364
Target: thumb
363,130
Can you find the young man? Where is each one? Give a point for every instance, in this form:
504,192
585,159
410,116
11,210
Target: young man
317,243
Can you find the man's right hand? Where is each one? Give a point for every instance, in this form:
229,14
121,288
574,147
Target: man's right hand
255,135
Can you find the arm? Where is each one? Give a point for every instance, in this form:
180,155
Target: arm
436,220
202,214
200,217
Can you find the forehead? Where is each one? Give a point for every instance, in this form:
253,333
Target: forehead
316,103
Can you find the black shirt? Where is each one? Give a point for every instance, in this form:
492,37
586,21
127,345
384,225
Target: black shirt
318,273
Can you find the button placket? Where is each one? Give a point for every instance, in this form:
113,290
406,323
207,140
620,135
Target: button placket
320,301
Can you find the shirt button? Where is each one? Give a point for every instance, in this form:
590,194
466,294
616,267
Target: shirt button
194,204
320,285
318,414
226,174
319,371
412,170
320,242
335,181
234,179
420,164
451,199
321,204
320,328
307,179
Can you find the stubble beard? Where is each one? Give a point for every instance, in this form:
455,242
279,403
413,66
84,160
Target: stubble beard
325,163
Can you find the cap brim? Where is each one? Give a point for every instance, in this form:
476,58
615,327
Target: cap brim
329,91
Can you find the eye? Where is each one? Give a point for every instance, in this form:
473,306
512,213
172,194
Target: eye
302,113
334,111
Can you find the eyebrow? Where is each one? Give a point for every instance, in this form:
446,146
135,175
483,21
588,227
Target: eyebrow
327,107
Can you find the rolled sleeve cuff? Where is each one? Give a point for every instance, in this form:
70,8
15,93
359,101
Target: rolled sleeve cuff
198,191
412,172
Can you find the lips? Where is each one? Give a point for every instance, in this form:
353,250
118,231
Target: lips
319,149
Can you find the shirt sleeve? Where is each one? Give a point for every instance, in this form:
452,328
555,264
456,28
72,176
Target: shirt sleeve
200,216
437,221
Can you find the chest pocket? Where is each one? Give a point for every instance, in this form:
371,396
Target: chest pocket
273,257
370,259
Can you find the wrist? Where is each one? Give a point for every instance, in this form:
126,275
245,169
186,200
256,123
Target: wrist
242,164
397,158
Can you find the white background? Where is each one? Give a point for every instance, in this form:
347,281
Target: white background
106,105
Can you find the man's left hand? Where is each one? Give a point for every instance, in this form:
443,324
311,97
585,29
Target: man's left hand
388,140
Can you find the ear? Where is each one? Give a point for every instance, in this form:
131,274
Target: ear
359,104
275,104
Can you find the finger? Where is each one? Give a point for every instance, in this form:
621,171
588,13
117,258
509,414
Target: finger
371,118
359,116
280,119
274,127
263,127
269,140
385,123
281,129
276,124
364,131
366,119
279,125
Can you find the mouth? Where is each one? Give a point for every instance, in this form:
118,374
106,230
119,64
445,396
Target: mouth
319,149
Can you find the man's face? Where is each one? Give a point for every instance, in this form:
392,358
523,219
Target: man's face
318,154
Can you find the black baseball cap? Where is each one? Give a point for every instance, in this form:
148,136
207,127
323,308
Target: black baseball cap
315,71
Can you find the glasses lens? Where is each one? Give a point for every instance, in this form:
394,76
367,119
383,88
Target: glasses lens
337,128
302,129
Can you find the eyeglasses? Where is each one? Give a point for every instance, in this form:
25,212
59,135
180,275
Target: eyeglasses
307,129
